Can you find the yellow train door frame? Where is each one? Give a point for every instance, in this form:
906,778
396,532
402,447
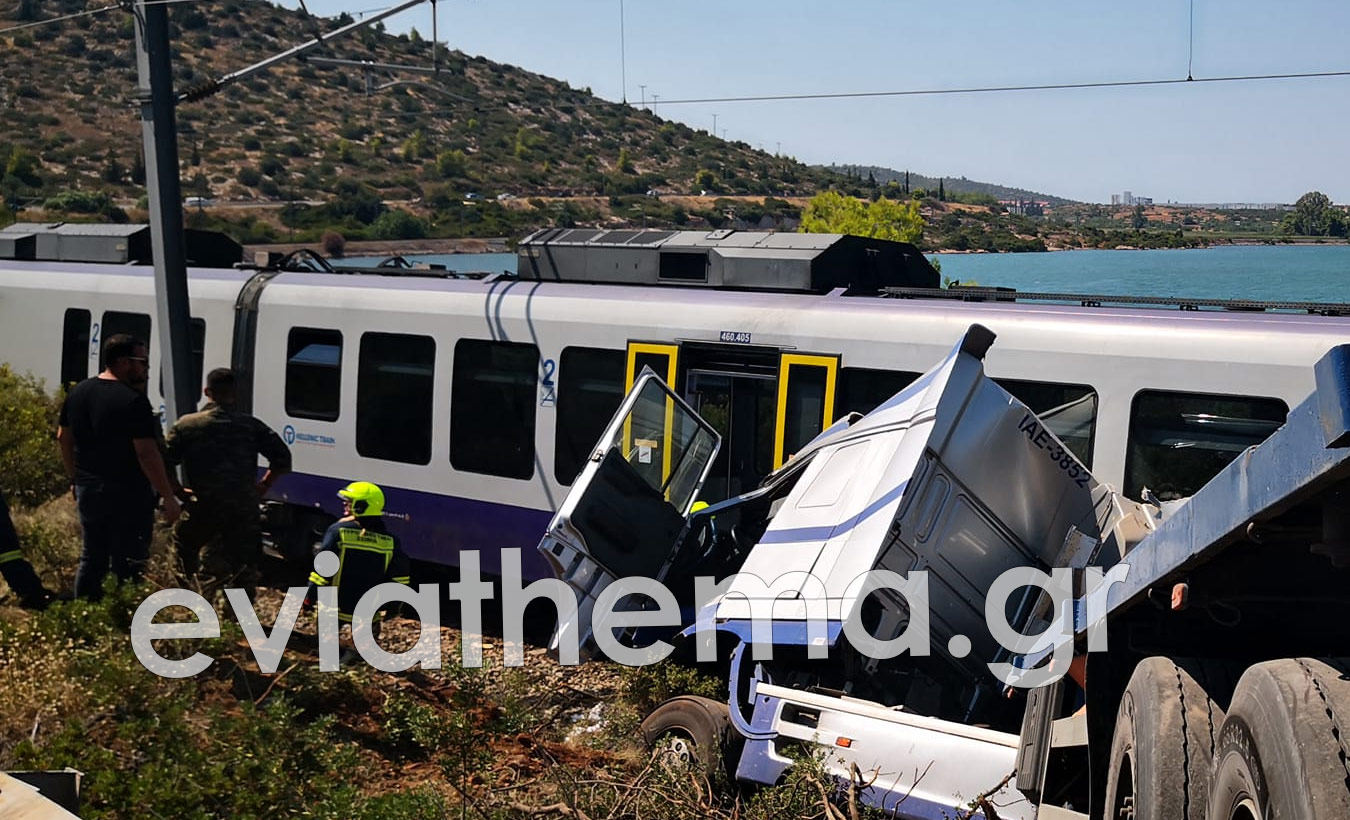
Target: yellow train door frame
791,365
671,352
646,351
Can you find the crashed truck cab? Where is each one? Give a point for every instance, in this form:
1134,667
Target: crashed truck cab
952,476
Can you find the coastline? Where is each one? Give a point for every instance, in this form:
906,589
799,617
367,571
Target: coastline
1285,242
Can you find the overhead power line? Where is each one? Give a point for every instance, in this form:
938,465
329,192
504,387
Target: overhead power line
990,89
89,12
64,17
993,89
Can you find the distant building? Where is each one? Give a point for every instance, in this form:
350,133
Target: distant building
1025,207
1128,198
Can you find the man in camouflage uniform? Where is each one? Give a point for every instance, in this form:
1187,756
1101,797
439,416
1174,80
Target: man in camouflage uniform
218,448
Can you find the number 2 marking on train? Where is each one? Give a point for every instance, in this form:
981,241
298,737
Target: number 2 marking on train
547,397
93,341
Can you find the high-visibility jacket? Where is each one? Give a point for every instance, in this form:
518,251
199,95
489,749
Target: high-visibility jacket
14,568
368,555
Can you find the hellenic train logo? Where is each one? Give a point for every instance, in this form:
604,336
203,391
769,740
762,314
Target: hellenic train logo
313,439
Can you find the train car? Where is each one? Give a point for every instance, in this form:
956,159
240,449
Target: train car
474,400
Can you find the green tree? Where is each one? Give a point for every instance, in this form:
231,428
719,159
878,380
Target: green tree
416,147
625,164
112,168
356,199
832,212
24,167
1311,214
1137,219
451,164
396,224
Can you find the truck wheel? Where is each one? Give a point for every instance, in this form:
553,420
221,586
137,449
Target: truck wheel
1284,749
689,731
1162,747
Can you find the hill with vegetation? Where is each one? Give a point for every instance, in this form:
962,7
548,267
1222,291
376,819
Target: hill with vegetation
481,149
305,133
984,193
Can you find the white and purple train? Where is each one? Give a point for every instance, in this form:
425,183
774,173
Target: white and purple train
475,400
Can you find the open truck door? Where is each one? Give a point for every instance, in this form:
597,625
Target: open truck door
627,510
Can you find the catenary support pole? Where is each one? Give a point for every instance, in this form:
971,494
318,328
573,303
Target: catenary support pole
160,136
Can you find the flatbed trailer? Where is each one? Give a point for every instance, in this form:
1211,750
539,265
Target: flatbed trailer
1224,692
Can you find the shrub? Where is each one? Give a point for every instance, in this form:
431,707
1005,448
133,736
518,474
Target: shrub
272,166
249,177
396,224
333,243
30,462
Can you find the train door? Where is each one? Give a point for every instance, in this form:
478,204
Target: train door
765,403
733,389
806,388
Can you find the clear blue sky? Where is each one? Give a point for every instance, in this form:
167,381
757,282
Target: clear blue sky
1265,141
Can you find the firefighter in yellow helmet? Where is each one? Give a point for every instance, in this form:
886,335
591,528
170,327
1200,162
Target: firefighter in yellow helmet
368,554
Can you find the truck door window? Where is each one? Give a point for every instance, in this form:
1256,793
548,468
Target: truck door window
1068,410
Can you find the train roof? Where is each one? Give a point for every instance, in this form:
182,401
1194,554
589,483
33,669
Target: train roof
748,260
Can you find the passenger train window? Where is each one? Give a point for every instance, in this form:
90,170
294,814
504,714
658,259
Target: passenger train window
394,381
313,373
492,405
590,390
75,346
115,322
1067,410
197,356
1179,441
863,389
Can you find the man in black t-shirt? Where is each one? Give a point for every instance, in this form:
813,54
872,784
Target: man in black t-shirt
109,443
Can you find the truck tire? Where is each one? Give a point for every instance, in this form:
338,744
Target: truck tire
691,731
1163,746
1284,749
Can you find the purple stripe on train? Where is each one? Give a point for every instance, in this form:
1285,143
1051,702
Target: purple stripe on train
433,527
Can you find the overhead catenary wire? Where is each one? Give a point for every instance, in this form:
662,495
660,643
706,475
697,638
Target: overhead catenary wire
88,13
62,18
991,89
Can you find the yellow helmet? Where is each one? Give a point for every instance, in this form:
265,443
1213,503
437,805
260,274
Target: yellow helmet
366,498
698,505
